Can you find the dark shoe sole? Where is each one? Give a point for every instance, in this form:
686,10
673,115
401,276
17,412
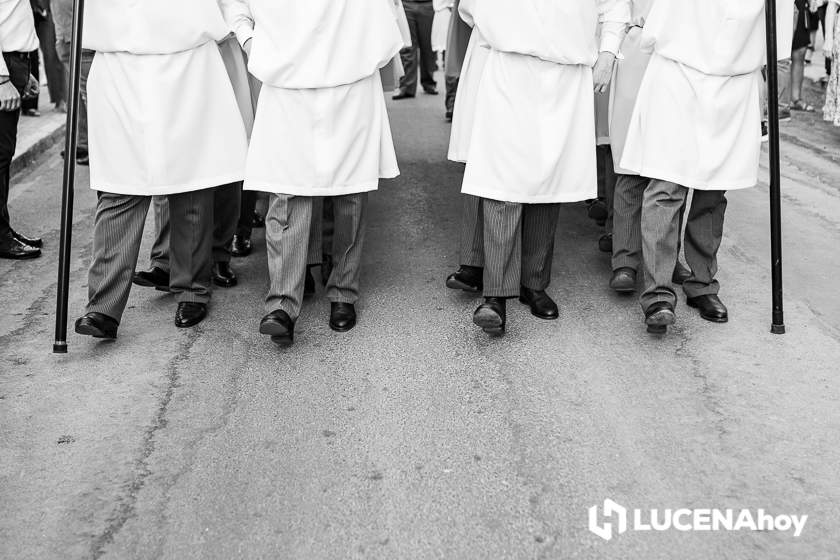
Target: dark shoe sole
146,284
225,283
659,322
90,330
489,321
280,335
537,315
623,289
24,257
455,284
343,329
708,318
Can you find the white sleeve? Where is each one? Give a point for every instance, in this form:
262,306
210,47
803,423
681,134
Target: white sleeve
615,16
239,18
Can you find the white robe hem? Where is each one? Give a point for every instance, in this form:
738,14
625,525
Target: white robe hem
685,181
197,185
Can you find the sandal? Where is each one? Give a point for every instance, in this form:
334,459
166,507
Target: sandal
800,105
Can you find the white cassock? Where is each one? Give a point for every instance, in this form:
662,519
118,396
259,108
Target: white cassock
465,102
440,25
163,117
697,119
533,132
321,128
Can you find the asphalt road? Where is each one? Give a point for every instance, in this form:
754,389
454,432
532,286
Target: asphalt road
416,436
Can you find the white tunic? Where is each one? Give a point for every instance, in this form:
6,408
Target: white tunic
697,120
162,117
440,25
463,119
532,138
321,128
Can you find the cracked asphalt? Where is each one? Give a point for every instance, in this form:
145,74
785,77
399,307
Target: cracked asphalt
414,435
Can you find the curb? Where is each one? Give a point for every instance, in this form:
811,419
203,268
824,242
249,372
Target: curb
27,158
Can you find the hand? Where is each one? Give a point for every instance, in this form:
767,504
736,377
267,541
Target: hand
32,88
603,71
9,97
247,47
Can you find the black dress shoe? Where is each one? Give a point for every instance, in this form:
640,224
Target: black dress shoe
223,275
491,316
542,306
430,90
11,248
156,278
402,95
189,314
711,308
605,243
257,221
467,278
241,245
82,157
97,325
681,274
598,210
342,316
624,280
31,241
280,327
309,283
659,316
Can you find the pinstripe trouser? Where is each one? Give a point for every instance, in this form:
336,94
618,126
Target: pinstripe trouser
660,229
290,240
118,232
226,199
518,246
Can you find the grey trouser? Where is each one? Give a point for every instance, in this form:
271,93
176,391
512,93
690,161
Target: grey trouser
118,232
518,246
660,229
606,180
291,238
225,218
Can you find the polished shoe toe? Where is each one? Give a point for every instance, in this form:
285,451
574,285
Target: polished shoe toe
156,278
342,316
241,245
280,327
189,314
467,278
681,274
31,241
14,249
223,275
97,325
491,316
624,280
659,316
710,307
542,306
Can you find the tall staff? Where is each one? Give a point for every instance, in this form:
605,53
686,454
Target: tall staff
70,141
778,326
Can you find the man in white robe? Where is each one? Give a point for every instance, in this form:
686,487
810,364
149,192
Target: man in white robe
696,125
321,130
145,140
532,138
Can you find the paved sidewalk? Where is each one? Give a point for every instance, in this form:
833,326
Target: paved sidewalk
37,134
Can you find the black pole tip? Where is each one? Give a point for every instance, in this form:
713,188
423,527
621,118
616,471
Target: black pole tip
60,348
777,329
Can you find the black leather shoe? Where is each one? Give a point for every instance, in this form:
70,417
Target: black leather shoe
491,316
711,308
257,221
190,314
31,241
598,211
342,316
605,244
241,245
280,327
97,325
659,316
468,278
430,90
11,248
681,274
156,278
223,275
82,157
624,280
542,306
402,95
309,283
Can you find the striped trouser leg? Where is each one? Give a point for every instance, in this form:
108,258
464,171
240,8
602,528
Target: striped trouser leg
226,207
703,236
502,247
348,242
287,226
606,180
191,245
539,228
316,233
160,249
117,233
660,239
627,222
472,232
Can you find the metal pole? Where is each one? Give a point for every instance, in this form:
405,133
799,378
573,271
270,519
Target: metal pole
70,141
778,326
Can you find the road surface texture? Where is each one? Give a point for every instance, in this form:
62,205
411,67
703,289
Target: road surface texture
415,435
